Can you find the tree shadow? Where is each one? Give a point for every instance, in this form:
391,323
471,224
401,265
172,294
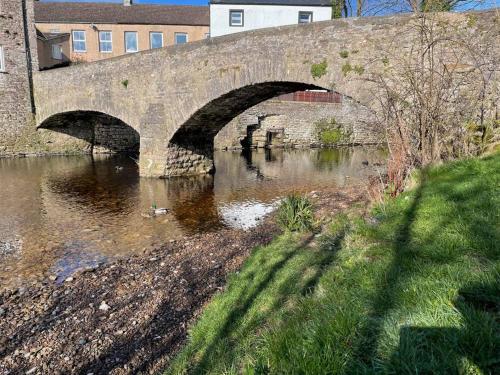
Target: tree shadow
465,205
245,301
364,349
433,349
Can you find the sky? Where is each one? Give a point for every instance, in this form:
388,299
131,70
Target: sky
477,4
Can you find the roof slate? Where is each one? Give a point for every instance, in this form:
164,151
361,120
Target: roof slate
46,12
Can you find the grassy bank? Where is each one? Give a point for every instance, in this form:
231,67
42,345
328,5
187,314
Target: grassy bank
416,289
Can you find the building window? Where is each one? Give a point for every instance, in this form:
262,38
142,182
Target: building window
305,17
236,18
181,38
57,52
131,44
156,40
2,59
79,42
105,41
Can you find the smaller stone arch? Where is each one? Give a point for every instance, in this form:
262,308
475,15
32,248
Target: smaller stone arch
90,132
190,150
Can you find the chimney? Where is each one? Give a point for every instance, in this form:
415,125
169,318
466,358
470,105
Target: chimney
127,3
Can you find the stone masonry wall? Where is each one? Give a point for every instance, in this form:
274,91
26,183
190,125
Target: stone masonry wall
295,124
112,136
15,105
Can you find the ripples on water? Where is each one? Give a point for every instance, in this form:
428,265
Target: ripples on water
62,213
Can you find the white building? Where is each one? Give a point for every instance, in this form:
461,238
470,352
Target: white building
232,16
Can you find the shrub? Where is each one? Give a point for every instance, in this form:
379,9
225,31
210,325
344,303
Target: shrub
295,213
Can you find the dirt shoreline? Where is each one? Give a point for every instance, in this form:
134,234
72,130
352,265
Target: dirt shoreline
132,315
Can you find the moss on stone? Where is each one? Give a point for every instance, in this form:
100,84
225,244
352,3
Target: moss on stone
346,68
358,69
331,133
319,70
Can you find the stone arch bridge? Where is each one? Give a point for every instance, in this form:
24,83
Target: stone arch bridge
178,98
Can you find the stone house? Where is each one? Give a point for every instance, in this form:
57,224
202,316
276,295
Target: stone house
96,31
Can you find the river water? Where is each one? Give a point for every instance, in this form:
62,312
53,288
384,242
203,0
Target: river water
58,214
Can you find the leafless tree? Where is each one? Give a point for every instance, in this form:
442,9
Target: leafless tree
440,92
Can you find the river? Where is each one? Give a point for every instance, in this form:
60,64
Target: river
59,214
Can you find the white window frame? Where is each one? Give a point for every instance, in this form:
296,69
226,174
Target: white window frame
2,59
310,14
84,40
110,41
233,11
59,55
151,39
136,41
175,37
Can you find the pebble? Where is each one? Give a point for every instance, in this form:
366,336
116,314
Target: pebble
2,312
104,306
69,279
31,371
52,277
82,341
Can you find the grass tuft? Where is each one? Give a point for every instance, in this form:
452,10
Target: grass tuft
295,213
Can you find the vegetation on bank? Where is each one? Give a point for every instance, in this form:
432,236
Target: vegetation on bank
332,133
414,288
295,214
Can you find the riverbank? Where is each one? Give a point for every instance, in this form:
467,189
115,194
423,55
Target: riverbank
411,288
132,315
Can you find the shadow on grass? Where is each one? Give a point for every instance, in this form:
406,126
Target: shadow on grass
430,349
273,288
367,340
466,211
236,315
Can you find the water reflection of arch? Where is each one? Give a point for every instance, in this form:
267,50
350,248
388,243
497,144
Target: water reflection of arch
99,184
193,203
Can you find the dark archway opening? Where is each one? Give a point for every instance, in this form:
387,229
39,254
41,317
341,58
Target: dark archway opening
92,132
192,146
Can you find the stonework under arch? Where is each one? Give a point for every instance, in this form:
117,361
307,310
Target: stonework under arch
94,132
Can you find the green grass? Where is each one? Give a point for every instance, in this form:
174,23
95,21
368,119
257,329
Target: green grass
414,291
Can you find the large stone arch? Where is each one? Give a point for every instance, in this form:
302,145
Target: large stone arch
190,150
